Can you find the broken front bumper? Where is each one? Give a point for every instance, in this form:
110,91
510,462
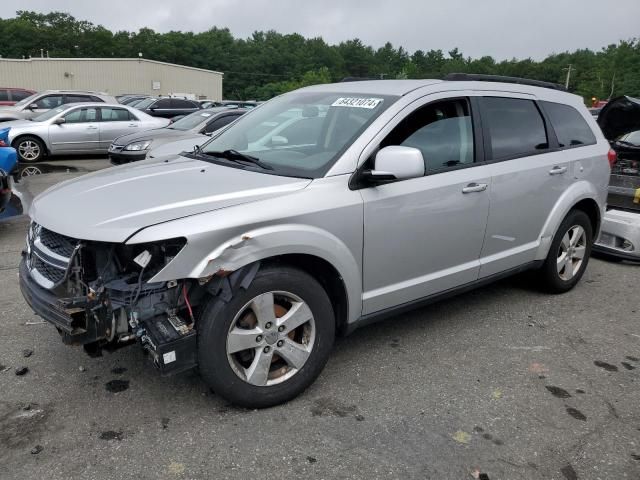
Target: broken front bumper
620,235
78,320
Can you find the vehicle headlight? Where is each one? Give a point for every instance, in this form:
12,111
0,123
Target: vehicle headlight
137,146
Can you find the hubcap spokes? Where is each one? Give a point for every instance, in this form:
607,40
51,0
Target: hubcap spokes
29,150
271,338
571,252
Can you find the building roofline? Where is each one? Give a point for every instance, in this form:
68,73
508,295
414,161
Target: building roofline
106,59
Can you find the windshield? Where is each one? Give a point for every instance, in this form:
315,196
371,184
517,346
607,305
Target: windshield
145,103
27,101
48,114
301,133
633,138
190,121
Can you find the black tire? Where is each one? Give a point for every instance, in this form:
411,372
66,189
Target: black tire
215,323
41,149
548,276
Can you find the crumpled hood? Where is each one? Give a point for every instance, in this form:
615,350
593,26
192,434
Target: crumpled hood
619,116
112,204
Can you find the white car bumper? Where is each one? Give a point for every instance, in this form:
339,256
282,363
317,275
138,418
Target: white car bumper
620,235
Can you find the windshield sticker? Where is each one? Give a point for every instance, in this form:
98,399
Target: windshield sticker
369,103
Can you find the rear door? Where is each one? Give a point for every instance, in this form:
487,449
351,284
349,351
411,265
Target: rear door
529,174
79,133
115,122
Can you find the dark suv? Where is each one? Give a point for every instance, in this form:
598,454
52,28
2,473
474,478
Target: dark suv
167,107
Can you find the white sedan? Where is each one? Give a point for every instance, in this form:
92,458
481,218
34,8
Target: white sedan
76,128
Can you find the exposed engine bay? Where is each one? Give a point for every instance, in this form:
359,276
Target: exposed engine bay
97,295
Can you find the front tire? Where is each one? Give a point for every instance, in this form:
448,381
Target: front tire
30,149
270,341
569,253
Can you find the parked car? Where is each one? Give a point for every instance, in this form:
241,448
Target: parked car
76,128
8,160
620,235
10,96
134,146
129,99
42,102
246,262
167,107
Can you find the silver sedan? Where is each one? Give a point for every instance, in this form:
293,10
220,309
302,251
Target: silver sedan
78,128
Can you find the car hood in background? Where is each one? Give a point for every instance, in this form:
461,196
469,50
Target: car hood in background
171,146
619,116
112,204
154,134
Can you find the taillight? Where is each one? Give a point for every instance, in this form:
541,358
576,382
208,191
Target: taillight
3,144
612,156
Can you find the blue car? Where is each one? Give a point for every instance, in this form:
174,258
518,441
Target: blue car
8,160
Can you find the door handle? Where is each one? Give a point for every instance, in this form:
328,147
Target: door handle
133,125
92,128
474,187
557,170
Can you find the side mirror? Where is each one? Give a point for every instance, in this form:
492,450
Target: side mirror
33,106
396,163
60,121
278,141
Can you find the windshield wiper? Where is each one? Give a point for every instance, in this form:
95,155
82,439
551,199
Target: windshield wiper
236,156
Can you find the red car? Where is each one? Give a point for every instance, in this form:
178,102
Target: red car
9,96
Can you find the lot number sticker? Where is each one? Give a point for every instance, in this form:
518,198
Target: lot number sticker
369,103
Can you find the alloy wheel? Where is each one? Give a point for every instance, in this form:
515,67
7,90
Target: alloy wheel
29,150
571,252
271,338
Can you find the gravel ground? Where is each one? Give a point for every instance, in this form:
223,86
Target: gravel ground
500,383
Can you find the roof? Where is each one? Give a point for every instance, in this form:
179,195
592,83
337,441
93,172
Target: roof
146,60
374,87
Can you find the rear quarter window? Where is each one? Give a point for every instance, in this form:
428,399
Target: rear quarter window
571,128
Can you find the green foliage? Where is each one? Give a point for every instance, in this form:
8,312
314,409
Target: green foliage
269,63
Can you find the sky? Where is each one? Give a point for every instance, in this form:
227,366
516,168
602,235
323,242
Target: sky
502,29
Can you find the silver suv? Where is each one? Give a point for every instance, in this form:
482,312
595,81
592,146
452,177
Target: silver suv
319,211
41,102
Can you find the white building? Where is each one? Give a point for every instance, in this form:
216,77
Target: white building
111,75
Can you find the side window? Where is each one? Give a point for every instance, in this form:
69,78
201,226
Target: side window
96,99
515,126
219,123
4,95
178,103
442,131
571,128
49,102
17,95
115,115
77,98
81,115
163,103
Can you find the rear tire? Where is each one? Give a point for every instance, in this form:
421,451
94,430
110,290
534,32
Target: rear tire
30,149
568,255
269,342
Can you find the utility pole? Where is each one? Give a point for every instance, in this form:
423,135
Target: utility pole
569,70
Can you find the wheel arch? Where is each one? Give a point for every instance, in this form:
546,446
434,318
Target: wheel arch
580,196
47,151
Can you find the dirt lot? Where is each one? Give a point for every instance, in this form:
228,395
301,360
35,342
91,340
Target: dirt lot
500,383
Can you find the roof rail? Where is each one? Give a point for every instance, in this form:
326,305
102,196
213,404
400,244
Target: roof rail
358,79
469,77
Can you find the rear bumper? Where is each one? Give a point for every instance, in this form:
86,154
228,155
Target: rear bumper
620,235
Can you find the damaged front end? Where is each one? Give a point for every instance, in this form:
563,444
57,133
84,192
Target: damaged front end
97,295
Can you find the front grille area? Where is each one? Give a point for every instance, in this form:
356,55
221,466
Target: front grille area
54,274
57,243
49,256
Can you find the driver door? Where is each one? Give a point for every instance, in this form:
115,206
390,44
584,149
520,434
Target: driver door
423,236
79,133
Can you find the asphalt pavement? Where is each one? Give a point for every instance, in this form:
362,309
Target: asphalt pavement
504,382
